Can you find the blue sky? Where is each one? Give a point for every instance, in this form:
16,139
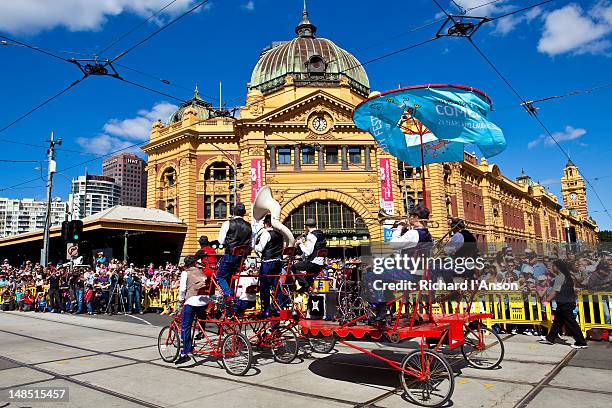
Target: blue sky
560,47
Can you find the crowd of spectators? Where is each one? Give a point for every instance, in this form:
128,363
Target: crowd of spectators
111,286
114,286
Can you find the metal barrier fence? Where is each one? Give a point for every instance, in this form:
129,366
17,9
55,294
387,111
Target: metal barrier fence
507,307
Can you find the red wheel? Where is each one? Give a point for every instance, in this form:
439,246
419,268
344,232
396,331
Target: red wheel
237,354
284,345
483,348
438,382
169,343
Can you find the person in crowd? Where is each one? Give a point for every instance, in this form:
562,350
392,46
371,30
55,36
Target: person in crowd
311,263
40,304
565,296
192,302
234,233
26,301
134,292
89,299
269,245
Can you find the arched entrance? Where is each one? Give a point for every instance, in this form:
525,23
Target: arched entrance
338,215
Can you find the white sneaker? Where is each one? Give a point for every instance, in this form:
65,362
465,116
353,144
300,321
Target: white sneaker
528,333
578,346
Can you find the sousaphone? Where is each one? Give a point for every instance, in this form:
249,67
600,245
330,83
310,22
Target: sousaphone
266,204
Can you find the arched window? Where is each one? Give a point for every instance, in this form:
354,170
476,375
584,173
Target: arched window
316,65
332,217
220,206
169,177
219,171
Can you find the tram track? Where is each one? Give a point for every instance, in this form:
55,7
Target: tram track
85,384
544,382
163,366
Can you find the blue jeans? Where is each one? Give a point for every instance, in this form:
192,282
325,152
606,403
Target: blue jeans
268,283
227,267
134,299
189,313
90,307
79,299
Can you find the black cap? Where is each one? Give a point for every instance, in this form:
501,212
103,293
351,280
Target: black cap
457,223
190,260
239,209
203,240
420,211
310,222
267,219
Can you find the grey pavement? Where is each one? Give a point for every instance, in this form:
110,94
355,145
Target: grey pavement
113,362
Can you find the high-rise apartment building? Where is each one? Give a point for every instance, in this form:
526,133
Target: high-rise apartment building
92,194
128,170
18,216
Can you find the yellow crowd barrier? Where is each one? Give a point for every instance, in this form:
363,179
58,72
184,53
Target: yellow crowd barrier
507,307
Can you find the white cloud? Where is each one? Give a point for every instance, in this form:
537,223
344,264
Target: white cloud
103,144
249,5
507,24
139,127
568,134
32,16
121,133
571,29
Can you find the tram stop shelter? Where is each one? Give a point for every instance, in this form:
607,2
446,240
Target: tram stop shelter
148,235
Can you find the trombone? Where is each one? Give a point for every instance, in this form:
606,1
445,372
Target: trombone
383,216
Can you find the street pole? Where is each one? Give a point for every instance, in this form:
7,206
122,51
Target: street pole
51,169
125,246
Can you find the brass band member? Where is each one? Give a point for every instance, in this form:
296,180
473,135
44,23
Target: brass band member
311,264
234,233
270,247
192,301
462,244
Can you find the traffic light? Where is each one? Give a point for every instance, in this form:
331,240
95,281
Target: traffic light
72,230
66,231
77,230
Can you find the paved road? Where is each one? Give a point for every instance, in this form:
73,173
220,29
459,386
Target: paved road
113,362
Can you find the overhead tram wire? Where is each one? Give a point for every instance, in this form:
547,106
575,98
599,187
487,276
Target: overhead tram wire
200,121
40,105
136,27
518,95
159,30
150,89
409,31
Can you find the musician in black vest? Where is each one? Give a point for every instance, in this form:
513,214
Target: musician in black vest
462,244
564,295
269,245
234,233
311,264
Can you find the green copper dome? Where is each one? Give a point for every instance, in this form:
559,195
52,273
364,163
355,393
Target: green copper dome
310,61
203,108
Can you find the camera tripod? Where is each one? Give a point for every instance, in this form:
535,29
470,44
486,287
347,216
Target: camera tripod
115,291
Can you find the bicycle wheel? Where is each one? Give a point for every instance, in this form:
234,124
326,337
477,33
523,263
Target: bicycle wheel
284,345
436,387
484,350
323,344
237,354
169,343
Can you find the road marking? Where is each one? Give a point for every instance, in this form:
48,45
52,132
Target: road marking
139,318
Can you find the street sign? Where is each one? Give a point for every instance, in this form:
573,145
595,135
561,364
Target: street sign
72,250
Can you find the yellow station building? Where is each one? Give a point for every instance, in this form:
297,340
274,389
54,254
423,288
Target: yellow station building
295,133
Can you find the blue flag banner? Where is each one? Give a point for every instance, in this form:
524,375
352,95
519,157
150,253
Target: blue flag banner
453,115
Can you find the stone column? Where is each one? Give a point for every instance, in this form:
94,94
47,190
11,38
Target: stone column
296,158
272,158
321,162
344,157
368,160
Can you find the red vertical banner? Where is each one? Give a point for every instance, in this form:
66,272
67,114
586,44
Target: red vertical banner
386,186
256,177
